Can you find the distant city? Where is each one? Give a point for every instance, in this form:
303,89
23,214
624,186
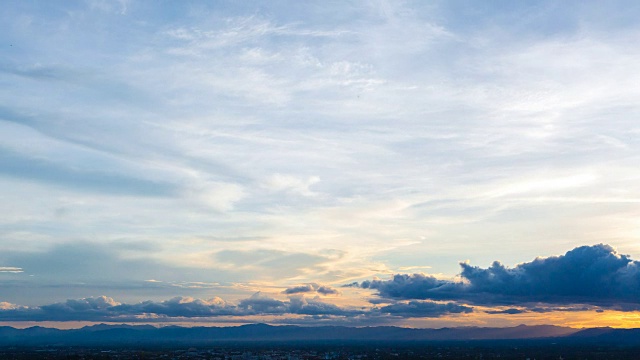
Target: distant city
260,341
455,350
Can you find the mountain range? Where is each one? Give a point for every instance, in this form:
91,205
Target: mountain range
103,334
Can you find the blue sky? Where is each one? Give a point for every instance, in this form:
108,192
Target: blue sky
194,150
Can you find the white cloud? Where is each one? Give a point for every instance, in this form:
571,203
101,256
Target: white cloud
217,195
282,182
9,306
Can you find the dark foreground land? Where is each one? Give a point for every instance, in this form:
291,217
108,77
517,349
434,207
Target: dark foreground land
260,341
440,350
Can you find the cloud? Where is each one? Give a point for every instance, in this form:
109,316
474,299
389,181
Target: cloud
13,164
78,268
259,304
9,306
544,309
404,286
315,307
72,309
595,275
268,263
177,307
424,309
10,269
134,269
589,274
300,289
86,304
510,311
287,183
327,290
104,308
79,309
86,261
311,287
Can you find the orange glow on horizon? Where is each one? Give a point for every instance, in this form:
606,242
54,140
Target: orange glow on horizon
577,320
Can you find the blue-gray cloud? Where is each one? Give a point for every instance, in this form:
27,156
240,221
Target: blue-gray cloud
177,307
424,309
327,290
15,165
311,288
77,268
595,275
300,289
404,286
87,261
107,309
509,311
261,305
585,274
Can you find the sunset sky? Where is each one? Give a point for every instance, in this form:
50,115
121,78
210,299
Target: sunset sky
424,164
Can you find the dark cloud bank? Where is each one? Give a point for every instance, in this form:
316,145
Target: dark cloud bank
594,275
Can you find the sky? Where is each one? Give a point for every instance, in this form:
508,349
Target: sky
409,163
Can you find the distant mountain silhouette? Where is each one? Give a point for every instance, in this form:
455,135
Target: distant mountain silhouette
145,334
104,334
609,335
